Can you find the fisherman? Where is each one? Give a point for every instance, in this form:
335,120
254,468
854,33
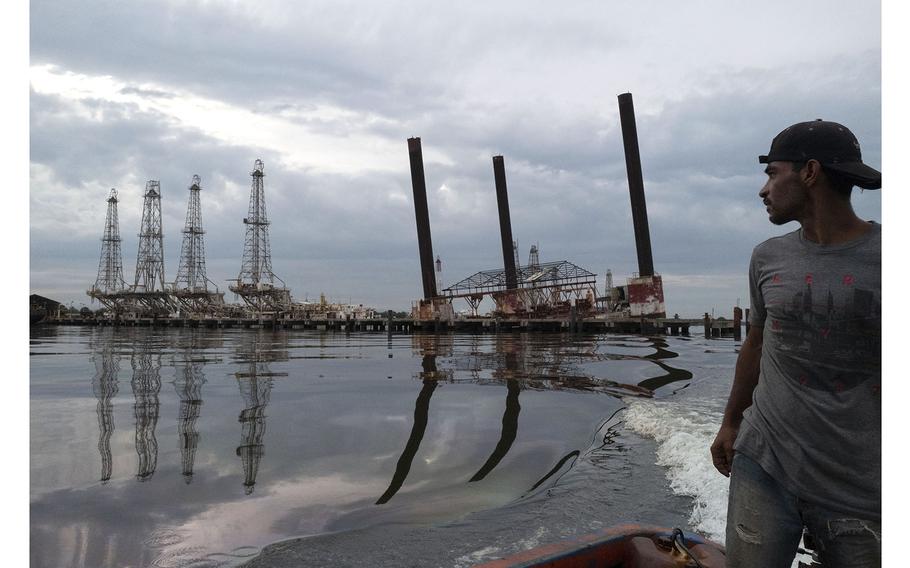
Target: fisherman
801,433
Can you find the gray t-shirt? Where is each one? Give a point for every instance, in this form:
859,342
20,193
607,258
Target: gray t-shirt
815,420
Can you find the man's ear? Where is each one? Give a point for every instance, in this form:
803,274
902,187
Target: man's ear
811,173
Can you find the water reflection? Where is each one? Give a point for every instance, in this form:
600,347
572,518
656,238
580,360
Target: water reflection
256,387
509,430
146,384
356,405
672,374
188,385
510,352
428,347
104,387
421,416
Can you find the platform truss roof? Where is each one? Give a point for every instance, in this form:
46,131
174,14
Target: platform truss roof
546,275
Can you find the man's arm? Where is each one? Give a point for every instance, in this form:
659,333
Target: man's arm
745,378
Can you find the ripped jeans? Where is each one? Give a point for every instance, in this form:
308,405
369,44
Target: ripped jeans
765,523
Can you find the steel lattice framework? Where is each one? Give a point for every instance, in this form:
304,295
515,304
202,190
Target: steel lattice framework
560,273
191,289
109,285
148,290
259,287
539,286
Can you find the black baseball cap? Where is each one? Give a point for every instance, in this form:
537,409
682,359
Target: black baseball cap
832,144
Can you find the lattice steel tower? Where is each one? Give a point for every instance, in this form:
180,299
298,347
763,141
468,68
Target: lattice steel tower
259,287
110,282
191,287
148,287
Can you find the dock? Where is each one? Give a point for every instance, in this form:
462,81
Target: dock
660,326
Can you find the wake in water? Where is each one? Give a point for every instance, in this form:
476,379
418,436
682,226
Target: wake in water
684,433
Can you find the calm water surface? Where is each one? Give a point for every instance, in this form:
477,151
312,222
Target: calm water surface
186,447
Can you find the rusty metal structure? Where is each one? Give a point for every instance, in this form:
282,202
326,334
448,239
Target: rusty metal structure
422,215
109,285
646,293
636,185
257,285
544,290
505,224
191,289
534,291
431,306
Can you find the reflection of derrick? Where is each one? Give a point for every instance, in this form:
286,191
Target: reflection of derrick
259,287
110,286
146,385
255,392
189,389
255,388
192,285
105,386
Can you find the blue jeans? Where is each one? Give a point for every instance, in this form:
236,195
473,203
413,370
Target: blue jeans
765,523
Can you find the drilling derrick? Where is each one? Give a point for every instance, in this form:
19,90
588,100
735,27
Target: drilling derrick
148,289
259,287
192,285
109,285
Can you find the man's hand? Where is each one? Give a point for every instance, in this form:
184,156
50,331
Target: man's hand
722,449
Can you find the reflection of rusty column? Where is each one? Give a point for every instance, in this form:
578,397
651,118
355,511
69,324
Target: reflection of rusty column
421,418
636,185
509,430
421,211
505,222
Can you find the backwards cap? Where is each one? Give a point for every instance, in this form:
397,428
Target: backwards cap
832,144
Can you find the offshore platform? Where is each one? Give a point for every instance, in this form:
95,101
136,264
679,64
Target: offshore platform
556,296
193,295
559,290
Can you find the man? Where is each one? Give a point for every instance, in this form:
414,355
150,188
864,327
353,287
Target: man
801,433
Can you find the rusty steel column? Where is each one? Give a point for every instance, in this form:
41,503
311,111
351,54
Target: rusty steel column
424,242
636,185
505,222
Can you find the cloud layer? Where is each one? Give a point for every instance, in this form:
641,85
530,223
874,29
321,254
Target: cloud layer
327,94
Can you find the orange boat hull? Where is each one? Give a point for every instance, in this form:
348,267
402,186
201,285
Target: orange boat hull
624,546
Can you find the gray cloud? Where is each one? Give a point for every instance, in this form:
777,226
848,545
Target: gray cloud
539,88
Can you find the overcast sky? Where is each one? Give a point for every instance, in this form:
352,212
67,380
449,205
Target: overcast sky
327,93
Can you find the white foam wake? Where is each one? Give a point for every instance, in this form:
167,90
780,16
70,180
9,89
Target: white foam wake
684,435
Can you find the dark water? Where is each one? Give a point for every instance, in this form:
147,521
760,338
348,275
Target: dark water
199,447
